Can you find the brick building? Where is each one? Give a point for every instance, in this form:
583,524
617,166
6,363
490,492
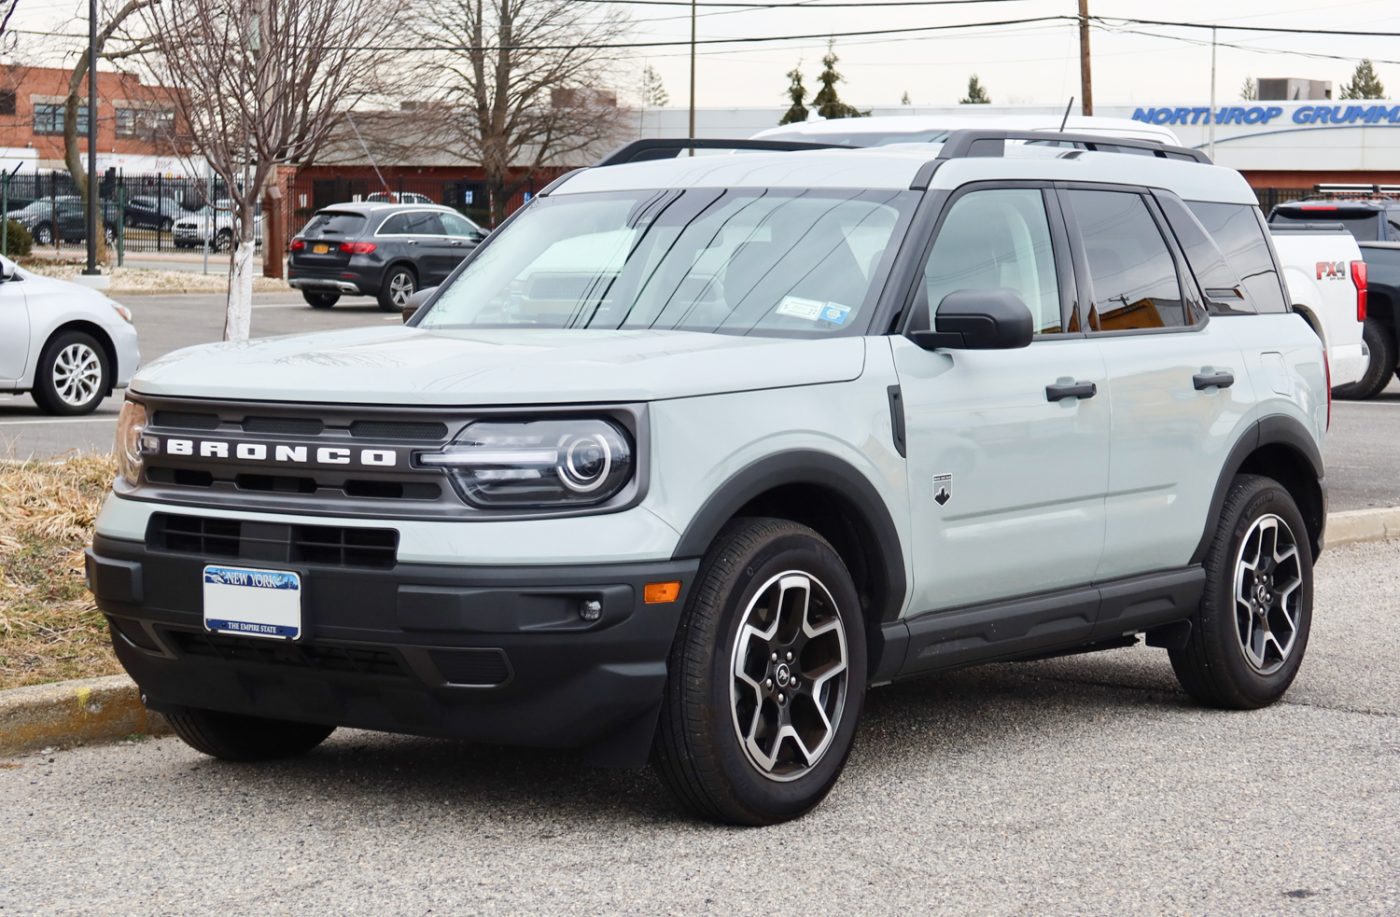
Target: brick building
137,127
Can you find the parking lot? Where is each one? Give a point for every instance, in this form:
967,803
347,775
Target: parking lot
1360,459
1087,784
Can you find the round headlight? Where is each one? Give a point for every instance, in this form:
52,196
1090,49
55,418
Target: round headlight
131,424
587,461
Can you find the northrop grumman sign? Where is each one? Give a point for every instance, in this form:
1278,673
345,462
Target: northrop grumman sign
1265,114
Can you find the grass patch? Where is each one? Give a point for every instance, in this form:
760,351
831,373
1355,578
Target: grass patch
49,627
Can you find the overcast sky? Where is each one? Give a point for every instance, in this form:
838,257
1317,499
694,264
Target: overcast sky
1026,64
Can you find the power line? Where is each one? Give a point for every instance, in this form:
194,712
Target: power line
1282,30
836,4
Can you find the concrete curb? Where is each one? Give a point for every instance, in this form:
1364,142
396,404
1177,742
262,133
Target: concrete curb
73,713
107,709
1353,526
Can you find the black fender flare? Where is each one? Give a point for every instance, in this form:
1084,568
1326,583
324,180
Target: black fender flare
819,469
1274,429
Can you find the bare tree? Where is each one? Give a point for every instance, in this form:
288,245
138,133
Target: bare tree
260,83
527,74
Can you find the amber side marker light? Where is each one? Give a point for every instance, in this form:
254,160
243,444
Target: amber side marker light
661,593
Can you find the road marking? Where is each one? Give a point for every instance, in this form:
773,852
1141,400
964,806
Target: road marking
110,418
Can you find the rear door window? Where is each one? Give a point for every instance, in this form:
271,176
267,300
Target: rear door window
413,223
1133,275
335,223
1239,231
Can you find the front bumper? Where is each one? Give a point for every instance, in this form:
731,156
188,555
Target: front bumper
489,654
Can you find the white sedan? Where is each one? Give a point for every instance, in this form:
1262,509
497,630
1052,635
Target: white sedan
67,345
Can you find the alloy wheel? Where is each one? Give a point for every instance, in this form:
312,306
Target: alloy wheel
77,374
788,672
400,288
1268,581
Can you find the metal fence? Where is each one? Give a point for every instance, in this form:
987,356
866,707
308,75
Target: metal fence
311,192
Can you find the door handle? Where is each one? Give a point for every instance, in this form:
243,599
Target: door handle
1219,379
1061,390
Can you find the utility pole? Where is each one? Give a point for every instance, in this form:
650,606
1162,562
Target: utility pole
1211,116
692,73
92,189
1086,80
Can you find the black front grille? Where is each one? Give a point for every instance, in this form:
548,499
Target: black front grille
322,545
389,429
284,426
477,667
253,651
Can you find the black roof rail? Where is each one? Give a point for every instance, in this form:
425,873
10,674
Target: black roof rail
979,142
670,147
964,144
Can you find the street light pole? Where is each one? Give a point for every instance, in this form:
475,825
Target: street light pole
692,73
92,189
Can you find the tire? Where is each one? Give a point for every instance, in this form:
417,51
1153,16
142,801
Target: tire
73,375
129,221
223,240
1380,341
233,737
43,234
109,234
317,299
1214,667
166,224
698,752
399,284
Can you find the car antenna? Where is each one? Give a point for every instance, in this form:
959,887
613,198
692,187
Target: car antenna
1065,119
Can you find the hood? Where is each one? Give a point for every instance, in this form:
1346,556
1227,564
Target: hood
401,365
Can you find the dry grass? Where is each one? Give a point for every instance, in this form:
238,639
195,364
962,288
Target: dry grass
139,280
49,627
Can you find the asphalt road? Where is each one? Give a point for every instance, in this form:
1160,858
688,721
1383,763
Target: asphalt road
1363,469
1087,785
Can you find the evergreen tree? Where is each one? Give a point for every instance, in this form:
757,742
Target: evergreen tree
904,99
653,94
1365,84
976,93
1249,91
797,95
826,101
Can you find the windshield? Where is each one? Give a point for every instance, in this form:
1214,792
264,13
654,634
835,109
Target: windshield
738,261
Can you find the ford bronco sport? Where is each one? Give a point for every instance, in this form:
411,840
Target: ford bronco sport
694,451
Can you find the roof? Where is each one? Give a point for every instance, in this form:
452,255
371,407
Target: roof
896,167
373,207
894,125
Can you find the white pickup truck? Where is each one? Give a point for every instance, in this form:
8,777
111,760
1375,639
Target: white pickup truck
1326,280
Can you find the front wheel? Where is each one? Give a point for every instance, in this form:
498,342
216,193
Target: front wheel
72,376
766,677
234,737
223,240
1248,637
43,234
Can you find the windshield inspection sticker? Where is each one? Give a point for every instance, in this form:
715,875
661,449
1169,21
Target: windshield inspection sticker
797,307
835,313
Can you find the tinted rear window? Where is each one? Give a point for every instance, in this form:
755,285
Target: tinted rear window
1359,221
1239,231
334,223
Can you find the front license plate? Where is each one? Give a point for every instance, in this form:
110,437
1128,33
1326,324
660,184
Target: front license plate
252,603
320,249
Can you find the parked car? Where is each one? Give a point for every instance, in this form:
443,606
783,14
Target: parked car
159,213
214,224
67,345
398,197
1325,276
690,454
387,251
65,219
1371,213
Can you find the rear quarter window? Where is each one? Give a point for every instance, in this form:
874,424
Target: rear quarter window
1240,233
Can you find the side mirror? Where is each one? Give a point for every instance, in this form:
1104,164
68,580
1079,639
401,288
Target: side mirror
415,302
979,320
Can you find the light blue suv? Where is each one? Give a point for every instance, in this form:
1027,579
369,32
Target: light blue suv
694,451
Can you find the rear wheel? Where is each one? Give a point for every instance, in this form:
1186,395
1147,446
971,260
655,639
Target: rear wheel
766,677
234,737
1248,638
399,284
223,240
43,234
165,224
1380,341
317,299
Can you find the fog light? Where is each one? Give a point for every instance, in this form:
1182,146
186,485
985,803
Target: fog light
590,609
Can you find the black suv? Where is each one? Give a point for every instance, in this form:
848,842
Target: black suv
150,212
388,251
